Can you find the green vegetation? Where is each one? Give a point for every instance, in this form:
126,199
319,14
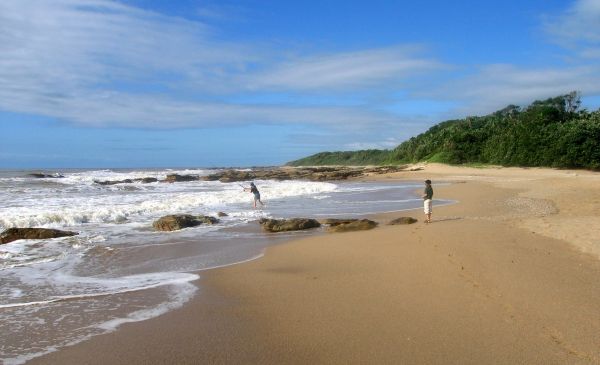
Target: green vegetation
348,158
551,133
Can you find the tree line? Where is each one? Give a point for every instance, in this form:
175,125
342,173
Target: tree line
554,132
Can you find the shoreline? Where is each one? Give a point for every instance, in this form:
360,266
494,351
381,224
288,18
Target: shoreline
303,302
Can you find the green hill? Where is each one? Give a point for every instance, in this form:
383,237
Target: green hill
348,158
549,133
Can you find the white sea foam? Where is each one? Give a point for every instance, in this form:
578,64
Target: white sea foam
96,287
74,210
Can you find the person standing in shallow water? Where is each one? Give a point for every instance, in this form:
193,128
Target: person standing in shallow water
255,192
427,204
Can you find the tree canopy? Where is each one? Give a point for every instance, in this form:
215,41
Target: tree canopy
552,133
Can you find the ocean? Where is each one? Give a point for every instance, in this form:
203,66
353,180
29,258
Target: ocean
58,292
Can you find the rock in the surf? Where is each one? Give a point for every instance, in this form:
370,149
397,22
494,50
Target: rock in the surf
222,214
143,180
147,180
205,219
179,221
41,175
283,225
320,173
113,182
171,178
358,225
402,220
13,234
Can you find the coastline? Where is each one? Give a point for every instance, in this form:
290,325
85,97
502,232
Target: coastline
508,275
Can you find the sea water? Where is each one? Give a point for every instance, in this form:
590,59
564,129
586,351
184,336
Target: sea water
58,292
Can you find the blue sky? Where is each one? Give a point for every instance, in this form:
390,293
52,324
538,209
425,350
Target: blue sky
134,83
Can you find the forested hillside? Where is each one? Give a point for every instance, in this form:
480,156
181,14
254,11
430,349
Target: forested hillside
552,132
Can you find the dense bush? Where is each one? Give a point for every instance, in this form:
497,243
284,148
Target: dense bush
551,132
348,158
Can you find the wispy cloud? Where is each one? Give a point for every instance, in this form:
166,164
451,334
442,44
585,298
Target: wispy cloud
75,43
492,87
578,28
100,62
347,70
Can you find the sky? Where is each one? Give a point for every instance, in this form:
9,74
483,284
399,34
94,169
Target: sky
189,83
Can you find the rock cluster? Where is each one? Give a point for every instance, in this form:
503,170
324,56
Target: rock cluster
179,221
300,173
171,178
333,225
283,225
402,220
272,173
13,234
144,180
350,225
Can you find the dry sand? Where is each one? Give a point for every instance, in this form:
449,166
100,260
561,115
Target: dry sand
510,275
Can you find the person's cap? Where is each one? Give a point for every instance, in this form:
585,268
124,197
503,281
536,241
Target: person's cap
252,183
427,181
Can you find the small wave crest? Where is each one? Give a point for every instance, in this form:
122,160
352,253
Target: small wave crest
120,285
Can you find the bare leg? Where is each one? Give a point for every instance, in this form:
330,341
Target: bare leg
428,218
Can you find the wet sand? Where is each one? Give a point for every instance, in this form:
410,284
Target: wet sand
509,275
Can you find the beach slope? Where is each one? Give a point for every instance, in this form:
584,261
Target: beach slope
508,275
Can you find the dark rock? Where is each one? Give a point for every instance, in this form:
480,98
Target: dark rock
293,224
231,175
112,182
171,178
147,180
40,175
175,222
13,234
179,221
335,221
222,214
144,180
402,220
207,219
358,225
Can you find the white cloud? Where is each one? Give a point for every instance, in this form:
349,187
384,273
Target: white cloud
100,62
68,43
578,28
351,69
125,110
493,87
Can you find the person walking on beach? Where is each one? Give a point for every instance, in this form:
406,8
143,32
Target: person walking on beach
256,193
427,204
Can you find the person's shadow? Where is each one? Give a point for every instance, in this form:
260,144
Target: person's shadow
445,219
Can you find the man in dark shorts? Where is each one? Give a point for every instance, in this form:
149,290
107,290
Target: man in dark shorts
255,192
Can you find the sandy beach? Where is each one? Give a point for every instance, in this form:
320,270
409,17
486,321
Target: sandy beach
508,275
